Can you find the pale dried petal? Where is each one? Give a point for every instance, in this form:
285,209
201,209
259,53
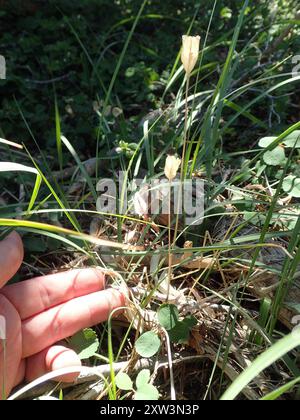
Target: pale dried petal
171,167
190,52
141,201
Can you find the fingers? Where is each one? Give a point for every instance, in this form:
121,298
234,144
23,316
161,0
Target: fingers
11,257
51,359
62,321
11,348
34,296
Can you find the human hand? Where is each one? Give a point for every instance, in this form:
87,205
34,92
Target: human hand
41,312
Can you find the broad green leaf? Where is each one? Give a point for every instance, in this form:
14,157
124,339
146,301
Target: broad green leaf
123,381
147,392
148,344
275,157
293,140
266,141
180,333
143,378
291,185
85,343
168,316
190,321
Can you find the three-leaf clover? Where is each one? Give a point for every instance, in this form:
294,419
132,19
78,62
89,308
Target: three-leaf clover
179,331
144,390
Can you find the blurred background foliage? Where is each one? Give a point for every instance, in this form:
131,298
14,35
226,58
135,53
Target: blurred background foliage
71,49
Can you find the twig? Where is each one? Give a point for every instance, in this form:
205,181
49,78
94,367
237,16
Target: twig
89,375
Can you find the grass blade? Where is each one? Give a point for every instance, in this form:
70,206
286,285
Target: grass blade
270,356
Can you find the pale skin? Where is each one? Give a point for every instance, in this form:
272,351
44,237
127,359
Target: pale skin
41,312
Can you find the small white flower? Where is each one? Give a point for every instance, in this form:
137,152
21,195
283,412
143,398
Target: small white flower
190,52
171,167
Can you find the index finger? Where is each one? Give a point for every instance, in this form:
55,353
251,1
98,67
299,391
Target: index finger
34,296
62,321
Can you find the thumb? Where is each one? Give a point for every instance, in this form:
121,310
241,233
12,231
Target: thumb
11,257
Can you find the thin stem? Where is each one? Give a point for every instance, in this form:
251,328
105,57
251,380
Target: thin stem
170,242
182,171
170,363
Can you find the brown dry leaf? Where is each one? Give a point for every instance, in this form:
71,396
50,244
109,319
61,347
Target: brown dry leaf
196,341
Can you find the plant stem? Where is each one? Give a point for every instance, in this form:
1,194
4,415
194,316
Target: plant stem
182,176
170,242
182,171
